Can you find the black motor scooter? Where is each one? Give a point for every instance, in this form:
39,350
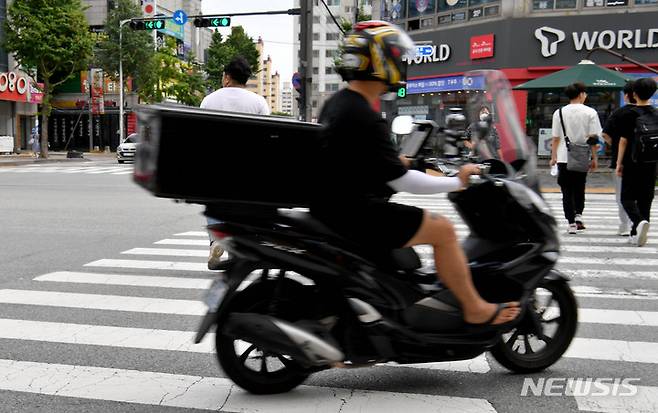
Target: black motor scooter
298,298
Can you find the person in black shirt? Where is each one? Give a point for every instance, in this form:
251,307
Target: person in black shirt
612,135
638,179
361,169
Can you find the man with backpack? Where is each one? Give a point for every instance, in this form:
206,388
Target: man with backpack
636,160
575,131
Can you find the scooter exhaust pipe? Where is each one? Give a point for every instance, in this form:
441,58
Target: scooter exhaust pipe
278,336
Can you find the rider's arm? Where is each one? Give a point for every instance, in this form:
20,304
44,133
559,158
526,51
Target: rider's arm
415,182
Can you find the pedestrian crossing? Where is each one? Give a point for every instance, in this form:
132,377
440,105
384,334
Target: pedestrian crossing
166,280
67,169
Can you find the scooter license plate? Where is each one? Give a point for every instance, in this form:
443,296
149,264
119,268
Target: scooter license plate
215,295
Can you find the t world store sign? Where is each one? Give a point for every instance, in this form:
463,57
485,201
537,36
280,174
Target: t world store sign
567,40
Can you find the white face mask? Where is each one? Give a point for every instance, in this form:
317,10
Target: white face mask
484,116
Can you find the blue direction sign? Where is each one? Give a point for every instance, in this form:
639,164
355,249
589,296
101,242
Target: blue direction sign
424,50
297,81
180,17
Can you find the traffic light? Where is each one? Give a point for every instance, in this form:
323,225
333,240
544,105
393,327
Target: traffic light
212,22
152,24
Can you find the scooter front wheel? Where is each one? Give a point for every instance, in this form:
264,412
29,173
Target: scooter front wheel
544,334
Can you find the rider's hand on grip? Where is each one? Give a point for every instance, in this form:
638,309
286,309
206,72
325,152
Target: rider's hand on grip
466,171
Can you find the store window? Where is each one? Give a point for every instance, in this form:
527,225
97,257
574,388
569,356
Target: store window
392,10
542,105
422,8
553,4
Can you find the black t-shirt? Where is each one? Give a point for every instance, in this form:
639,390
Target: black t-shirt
612,128
627,129
358,156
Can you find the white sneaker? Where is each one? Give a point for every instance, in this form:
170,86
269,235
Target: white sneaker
214,258
573,229
633,240
642,232
623,231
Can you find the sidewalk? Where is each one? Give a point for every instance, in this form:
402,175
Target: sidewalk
27,159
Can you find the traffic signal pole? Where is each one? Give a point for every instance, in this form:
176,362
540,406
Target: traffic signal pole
121,127
306,58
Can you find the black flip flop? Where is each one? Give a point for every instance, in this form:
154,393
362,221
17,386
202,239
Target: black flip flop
487,326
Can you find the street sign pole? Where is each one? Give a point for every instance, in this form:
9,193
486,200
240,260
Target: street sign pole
306,58
121,127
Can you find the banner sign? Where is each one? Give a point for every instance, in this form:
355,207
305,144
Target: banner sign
444,84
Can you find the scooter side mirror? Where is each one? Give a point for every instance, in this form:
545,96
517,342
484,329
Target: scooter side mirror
402,125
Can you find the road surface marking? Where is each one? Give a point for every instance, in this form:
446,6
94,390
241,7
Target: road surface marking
212,393
151,265
645,401
85,334
167,252
103,302
199,242
613,350
129,280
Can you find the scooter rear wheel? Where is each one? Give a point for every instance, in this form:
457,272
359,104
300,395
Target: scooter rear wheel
544,334
257,370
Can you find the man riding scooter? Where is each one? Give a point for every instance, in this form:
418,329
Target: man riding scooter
361,170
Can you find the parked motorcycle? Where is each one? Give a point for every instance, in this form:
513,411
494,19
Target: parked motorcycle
299,298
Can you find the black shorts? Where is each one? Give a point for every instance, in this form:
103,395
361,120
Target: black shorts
379,224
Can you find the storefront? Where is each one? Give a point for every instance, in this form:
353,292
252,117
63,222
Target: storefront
19,97
525,49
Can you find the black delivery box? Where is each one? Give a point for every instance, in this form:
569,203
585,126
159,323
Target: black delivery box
207,156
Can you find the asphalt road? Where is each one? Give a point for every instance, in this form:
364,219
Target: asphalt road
92,320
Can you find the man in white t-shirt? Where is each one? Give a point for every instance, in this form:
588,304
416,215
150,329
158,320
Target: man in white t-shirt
232,97
582,126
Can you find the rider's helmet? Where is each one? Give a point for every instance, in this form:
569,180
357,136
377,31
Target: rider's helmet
376,50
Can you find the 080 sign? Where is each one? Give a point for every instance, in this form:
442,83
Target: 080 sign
13,82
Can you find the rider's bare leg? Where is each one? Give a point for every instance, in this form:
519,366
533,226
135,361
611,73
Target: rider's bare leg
454,272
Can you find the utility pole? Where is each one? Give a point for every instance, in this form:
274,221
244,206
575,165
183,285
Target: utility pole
121,127
306,58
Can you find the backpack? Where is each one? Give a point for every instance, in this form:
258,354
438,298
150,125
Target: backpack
646,137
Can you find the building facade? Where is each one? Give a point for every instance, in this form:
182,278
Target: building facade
526,40
267,82
326,40
287,99
18,99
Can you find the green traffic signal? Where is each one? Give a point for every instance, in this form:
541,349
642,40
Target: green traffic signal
154,24
212,22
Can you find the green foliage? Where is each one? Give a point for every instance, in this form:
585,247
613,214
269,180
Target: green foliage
52,39
137,46
49,37
346,24
170,78
221,52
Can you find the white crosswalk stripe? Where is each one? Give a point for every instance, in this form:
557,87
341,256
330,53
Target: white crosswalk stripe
87,170
141,279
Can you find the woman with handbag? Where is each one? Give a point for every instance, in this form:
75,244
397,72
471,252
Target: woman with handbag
576,129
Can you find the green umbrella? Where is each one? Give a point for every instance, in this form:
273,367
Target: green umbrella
592,75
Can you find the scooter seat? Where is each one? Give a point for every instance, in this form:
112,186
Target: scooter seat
404,259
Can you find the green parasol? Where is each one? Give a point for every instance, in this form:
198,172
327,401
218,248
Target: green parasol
592,75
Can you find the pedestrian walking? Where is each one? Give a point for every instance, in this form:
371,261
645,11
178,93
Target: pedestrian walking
232,97
575,132
612,134
35,143
636,160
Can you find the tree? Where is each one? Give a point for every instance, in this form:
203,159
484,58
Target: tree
172,78
136,47
220,53
52,39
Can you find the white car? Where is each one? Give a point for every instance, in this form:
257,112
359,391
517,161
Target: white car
126,150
